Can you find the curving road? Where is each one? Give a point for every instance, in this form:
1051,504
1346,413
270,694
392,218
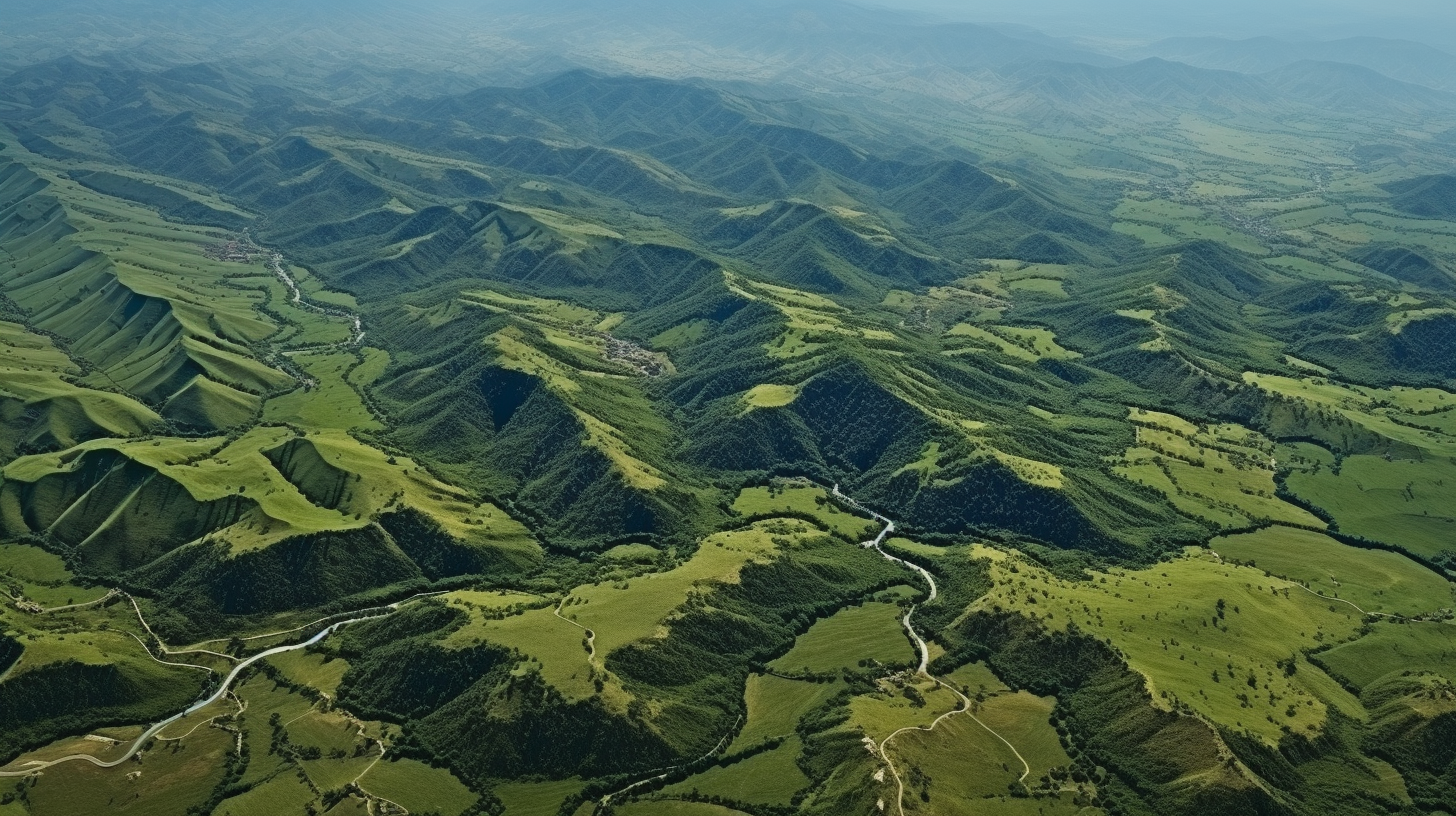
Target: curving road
222,689
924,650
664,773
591,636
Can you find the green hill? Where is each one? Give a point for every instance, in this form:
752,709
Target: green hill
1426,196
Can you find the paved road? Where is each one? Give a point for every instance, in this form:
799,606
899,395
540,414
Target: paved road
222,689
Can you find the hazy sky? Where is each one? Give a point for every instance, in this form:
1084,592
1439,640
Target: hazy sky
1433,21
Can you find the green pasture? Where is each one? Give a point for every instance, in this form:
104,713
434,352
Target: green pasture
1167,620
1223,474
1025,344
813,501
775,707
310,669
668,807
535,798
889,709
1358,402
965,765
849,637
332,404
417,787
768,778
1025,721
1407,502
770,396
368,372
1373,580
1181,221
43,576
622,612
554,646
285,793
1392,648
173,778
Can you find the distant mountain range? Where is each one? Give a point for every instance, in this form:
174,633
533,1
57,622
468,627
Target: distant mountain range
1398,59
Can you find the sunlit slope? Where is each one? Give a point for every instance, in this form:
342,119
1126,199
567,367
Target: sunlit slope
1198,662
136,311
537,399
122,287
221,516
43,408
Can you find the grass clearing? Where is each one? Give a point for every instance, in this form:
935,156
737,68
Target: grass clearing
331,774
1405,502
849,637
775,706
620,613
313,670
1179,221
890,709
286,793
770,396
173,778
374,363
556,647
670,807
369,482
1392,648
1024,719
1389,413
965,765
1220,473
43,576
536,798
1375,581
1169,622
1027,345
757,502
417,787
265,699
332,404
768,778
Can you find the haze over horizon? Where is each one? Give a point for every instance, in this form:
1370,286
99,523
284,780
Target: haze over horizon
1429,21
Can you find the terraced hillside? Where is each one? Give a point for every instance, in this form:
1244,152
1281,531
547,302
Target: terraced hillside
534,413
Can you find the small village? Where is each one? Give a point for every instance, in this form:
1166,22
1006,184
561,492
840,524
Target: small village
647,363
